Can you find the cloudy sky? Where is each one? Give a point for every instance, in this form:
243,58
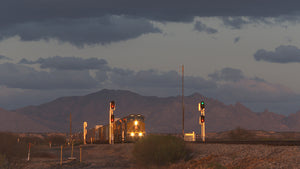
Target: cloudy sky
235,50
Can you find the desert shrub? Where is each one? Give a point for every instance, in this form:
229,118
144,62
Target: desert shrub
32,139
56,139
216,165
3,162
241,134
160,150
10,148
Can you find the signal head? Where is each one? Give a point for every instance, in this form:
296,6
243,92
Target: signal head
112,118
202,119
202,105
112,105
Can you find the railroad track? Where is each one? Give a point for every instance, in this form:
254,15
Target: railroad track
256,142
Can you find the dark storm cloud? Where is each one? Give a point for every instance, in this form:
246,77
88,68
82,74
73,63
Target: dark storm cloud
81,31
282,54
199,26
69,63
23,77
104,21
227,74
16,11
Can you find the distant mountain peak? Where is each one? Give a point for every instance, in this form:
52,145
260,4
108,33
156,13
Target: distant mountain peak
196,95
162,114
112,92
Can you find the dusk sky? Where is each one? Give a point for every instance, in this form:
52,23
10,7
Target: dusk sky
234,51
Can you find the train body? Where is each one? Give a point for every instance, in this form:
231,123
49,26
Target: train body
127,129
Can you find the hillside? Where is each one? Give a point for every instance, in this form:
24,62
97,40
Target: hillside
15,122
162,114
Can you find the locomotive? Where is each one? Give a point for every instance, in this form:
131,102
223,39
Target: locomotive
127,129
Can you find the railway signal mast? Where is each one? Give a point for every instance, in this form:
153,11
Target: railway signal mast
201,108
84,132
112,107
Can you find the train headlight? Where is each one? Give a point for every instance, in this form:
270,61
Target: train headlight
132,134
136,122
140,134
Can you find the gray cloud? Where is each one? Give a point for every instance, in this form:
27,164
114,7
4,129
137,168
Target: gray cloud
69,63
23,77
4,57
227,74
237,39
252,91
235,22
153,78
228,84
81,31
199,26
282,54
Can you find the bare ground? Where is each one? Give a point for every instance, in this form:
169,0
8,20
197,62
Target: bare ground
218,156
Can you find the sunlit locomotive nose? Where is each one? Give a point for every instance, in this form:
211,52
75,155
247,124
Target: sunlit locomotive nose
130,128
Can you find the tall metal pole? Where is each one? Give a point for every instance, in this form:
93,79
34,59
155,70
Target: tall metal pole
109,129
183,101
70,128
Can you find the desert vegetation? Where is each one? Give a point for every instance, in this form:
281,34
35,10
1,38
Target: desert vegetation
10,149
154,151
240,134
14,147
160,150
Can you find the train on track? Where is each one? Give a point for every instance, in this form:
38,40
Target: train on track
127,129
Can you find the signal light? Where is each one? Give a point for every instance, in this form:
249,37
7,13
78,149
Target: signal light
202,119
112,105
112,118
202,105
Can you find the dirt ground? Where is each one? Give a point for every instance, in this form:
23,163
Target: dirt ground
217,156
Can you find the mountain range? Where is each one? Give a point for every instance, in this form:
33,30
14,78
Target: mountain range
162,114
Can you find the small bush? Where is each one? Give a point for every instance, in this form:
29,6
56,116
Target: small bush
56,139
159,150
10,148
32,139
241,134
3,162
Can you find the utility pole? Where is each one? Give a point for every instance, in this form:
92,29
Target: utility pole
201,108
182,101
70,139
